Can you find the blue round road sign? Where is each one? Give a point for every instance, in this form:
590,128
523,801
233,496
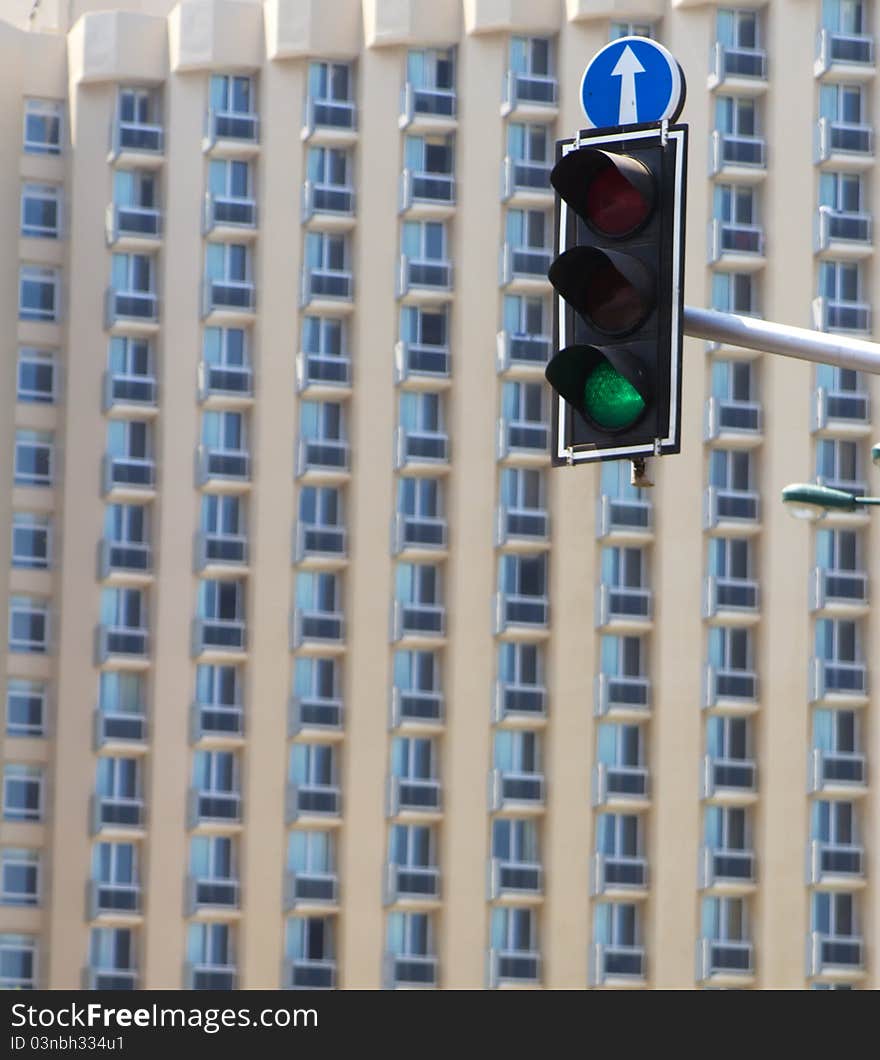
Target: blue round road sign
631,80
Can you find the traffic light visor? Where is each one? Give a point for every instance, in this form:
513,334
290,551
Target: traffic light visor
609,388
613,193
613,292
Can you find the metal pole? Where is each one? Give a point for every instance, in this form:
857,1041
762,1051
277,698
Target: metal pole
838,350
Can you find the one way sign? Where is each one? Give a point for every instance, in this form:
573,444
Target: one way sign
630,81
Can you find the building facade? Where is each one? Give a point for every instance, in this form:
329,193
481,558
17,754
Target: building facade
314,675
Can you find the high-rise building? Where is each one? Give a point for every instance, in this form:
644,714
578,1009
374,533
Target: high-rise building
313,673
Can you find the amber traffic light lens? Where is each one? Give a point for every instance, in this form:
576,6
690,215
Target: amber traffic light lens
614,207
611,302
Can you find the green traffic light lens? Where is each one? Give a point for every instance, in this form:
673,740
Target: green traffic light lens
610,400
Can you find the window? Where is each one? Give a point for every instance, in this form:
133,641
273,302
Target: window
38,293
839,461
846,17
522,489
730,469
418,583
121,693
840,281
229,179
115,864
523,402
312,765
737,29
19,876
414,758
40,211
135,190
127,524
430,154
736,116
410,935
318,591
221,601
517,751
329,167
630,29
834,823
417,671
514,930
515,840
623,656
730,649
138,106
411,846
616,925
132,273
624,568
224,431
124,608
528,229
424,240
619,835
523,575
218,686
531,56
526,316
112,949
331,82
310,938
215,771
730,558
326,252
28,624
18,962
431,68
842,192
30,540
419,497
421,413
118,779
315,678
222,515
529,143
842,104
726,828
129,357
732,380
22,792
42,127
838,550
621,746
834,914
36,375
25,708
324,336
520,664
838,640
615,482
33,458
320,506
734,292
212,858
725,919
728,739
226,347
232,94
424,327
735,205
228,263
129,440
836,732
311,853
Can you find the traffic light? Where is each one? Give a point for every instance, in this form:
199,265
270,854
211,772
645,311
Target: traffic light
618,279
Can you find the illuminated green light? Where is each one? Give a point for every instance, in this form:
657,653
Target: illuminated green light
610,400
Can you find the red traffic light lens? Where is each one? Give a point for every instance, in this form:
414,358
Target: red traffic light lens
613,206
612,302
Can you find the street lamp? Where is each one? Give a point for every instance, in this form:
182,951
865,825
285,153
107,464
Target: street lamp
806,500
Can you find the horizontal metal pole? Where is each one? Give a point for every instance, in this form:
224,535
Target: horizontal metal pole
838,350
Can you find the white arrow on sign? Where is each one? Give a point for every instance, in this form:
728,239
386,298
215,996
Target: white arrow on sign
626,68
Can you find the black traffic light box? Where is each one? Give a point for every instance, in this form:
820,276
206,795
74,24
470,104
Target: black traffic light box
618,279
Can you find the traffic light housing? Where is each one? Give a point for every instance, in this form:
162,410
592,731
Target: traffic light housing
618,280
